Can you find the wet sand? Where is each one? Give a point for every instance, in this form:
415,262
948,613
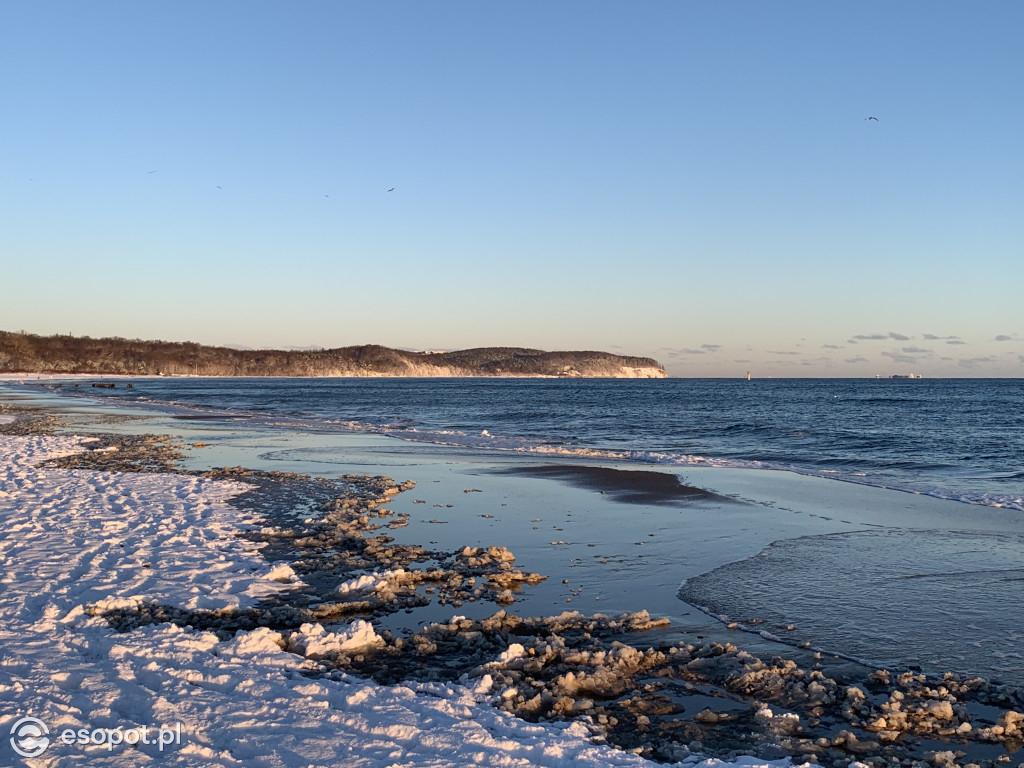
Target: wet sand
630,486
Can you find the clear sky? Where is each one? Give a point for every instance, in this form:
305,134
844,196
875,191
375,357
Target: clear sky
695,181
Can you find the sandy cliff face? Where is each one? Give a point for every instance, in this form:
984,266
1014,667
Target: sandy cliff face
642,373
425,370
585,369
419,370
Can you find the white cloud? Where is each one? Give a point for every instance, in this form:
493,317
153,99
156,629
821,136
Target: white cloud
973,362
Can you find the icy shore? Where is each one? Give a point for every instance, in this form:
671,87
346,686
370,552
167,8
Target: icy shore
76,539
216,608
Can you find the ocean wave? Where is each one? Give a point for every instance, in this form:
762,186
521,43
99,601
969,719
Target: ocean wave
902,603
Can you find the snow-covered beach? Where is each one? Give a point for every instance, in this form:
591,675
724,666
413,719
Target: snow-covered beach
80,545
76,539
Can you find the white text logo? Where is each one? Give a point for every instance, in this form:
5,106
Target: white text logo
29,737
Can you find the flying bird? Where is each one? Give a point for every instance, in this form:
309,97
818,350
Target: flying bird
391,190
150,172
871,117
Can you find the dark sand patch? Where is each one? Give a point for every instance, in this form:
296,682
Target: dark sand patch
629,486
29,420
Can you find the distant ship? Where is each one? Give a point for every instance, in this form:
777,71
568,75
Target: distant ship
905,376
748,375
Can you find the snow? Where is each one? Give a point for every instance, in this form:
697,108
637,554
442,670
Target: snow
514,651
74,541
315,640
368,582
283,573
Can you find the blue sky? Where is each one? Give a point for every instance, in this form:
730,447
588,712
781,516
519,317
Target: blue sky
695,181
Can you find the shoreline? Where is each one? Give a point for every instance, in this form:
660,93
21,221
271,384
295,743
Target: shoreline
768,505
238,700
671,461
525,550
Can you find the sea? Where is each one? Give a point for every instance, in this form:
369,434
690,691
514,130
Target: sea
936,597
960,439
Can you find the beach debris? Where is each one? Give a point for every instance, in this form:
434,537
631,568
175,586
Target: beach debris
28,421
125,453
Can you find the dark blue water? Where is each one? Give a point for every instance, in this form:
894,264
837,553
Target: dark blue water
952,438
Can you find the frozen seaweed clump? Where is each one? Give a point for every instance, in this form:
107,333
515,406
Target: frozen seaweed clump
477,557
315,640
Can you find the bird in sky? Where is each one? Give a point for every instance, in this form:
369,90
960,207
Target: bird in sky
219,187
150,172
391,190
871,117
